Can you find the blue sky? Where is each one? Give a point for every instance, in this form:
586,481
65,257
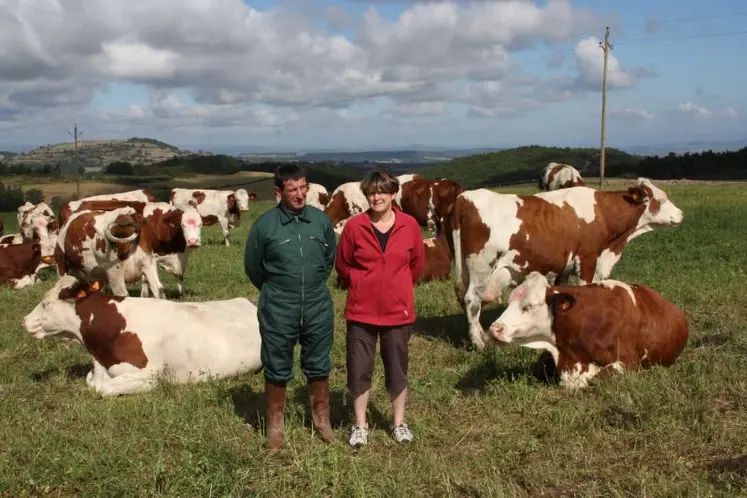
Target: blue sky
314,74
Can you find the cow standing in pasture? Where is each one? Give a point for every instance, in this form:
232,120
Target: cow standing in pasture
215,206
242,199
140,195
498,239
595,328
346,201
429,201
133,341
20,264
558,175
171,235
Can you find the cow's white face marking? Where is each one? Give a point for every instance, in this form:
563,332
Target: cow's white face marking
192,227
52,315
668,214
527,320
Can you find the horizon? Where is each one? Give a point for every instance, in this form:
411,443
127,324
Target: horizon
336,75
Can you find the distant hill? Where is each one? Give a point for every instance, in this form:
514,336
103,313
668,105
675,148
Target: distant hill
524,164
94,154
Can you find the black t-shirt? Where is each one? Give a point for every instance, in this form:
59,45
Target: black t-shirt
383,237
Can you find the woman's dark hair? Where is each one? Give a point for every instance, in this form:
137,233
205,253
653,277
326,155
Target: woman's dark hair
286,172
379,182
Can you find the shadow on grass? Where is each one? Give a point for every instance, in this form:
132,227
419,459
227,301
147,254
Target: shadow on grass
339,414
454,329
249,405
476,380
76,371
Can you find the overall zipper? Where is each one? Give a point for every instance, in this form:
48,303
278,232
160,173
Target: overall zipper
303,279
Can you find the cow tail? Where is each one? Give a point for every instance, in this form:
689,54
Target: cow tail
453,230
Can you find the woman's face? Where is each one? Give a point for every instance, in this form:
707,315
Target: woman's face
380,202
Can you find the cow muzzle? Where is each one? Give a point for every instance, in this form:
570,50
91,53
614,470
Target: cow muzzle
194,243
497,331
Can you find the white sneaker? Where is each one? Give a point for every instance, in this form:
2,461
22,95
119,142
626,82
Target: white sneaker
358,436
402,434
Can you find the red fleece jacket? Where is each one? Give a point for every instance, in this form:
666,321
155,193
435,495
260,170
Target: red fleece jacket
380,284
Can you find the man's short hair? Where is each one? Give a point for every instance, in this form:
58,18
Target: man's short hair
286,172
379,182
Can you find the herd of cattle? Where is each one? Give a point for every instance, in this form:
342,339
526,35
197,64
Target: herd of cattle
532,243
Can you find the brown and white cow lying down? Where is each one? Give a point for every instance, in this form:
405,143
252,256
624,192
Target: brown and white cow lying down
70,207
135,340
20,264
36,223
170,236
215,206
437,259
594,328
500,238
558,175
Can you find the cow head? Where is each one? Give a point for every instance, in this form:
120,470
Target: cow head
242,197
659,210
192,227
528,319
55,314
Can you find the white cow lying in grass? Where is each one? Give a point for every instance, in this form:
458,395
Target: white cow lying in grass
133,340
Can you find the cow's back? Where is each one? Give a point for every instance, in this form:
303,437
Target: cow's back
19,260
664,329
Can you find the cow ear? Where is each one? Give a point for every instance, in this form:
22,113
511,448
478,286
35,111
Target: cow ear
76,291
561,302
637,195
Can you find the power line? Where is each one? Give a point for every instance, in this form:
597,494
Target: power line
680,38
684,19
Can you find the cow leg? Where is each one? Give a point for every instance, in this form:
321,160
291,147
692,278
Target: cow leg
151,275
144,290
224,227
97,375
128,383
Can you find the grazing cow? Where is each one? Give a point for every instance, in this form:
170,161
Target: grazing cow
133,340
346,201
20,263
108,246
437,259
316,196
498,239
170,236
71,207
601,327
215,206
242,199
429,201
558,175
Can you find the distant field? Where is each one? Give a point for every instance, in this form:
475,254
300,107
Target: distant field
483,424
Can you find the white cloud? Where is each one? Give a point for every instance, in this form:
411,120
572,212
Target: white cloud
633,114
590,57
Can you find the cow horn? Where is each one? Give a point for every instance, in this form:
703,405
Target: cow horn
118,240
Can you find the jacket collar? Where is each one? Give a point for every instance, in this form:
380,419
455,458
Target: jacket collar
286,216
398,220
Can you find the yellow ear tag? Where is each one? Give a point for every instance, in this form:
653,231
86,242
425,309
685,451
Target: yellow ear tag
565,305
81,293
95,286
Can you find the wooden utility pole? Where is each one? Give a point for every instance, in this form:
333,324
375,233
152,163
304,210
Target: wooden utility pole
75,136
606,48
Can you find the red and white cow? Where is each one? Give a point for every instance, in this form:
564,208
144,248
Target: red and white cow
346,201
108,246
133,340
498,239
429,201
70,207
437,259
252,196
558,175
242,199
594,328
316,196
20,264
37,223
215,206
171,234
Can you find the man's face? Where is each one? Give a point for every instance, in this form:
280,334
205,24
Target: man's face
294,192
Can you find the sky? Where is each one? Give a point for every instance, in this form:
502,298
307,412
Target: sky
335,74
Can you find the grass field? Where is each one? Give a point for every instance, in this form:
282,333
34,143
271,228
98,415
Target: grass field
484,425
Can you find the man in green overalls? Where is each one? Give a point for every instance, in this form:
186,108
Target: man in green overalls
289,254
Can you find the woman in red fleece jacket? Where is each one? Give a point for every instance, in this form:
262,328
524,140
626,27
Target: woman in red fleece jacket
379,257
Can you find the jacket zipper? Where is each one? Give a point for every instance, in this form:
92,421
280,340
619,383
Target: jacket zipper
300,245
280,243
